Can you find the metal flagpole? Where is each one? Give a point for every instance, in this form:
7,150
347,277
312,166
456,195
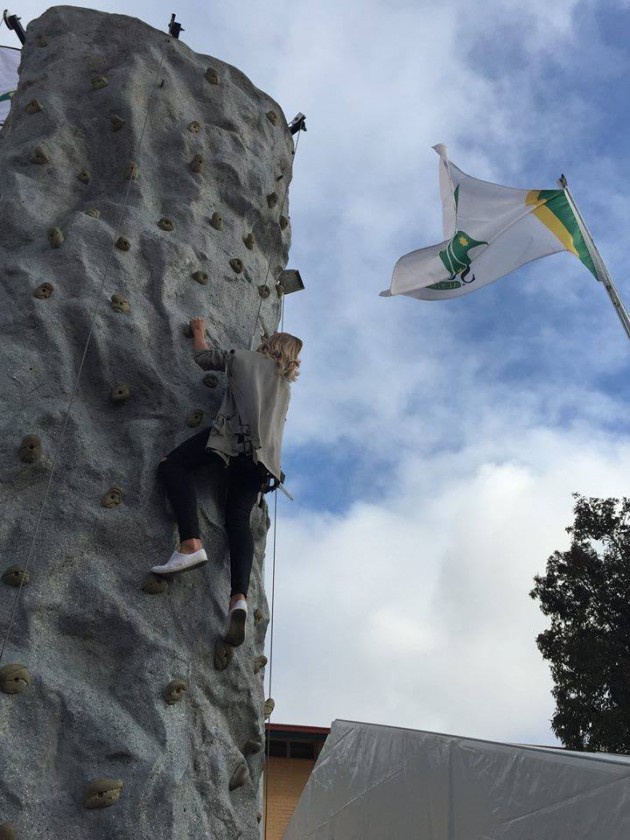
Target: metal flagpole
600,268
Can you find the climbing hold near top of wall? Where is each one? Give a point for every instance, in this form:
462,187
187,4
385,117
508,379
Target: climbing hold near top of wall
259,663
212,76
123,244
101,793
236,265
154,585
43,291
116,122
55,237
196,164
175,691
84,176
30,449
195,418
166,224
121,393
120,304
264,291
200,277
99,82
269,706
132,172
283,222
41,41
112,498
239,777
14,678
216,221
272,117
93,212
258,615
34,107
249,241
39,156
15,576
223,654
272,199
194,126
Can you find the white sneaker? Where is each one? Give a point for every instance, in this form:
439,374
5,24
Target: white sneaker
237,617
181,563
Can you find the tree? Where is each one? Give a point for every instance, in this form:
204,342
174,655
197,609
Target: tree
586,593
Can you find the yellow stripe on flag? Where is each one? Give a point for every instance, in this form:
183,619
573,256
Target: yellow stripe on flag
550,221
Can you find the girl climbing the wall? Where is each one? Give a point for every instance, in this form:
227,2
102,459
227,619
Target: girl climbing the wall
246,436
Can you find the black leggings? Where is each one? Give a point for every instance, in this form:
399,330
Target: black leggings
244,481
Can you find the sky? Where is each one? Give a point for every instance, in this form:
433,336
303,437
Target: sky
433,447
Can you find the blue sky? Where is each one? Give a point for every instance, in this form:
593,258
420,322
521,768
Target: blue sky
433,447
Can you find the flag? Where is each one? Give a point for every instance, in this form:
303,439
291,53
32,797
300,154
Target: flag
489,231
9,62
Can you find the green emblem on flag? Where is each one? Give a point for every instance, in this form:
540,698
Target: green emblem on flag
455,256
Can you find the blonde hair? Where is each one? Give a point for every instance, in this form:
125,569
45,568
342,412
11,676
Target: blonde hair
285,349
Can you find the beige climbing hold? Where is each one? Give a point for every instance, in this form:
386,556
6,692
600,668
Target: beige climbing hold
121,393
99,82
166,224
43,291
30,449
210,380
239,777
102,793
212,76
264,291
174,691
93,212
84,176
123,244
116,122
200,277
236,265
55,237
195,418
194,127
15,576
216,221
259,663
41,41
269,706
154,585
196,164
272,199
258,615
39,156
223,654
14,678
132,172
120,304
112,498
34,107
272,117
283,222
249,241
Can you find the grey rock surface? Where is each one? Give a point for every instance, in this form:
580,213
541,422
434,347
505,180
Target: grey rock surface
110,111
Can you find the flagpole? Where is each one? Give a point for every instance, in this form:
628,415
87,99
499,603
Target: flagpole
600,268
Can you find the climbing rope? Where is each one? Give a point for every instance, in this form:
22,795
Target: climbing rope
97,298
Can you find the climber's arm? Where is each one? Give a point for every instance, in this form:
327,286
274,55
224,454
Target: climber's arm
205,357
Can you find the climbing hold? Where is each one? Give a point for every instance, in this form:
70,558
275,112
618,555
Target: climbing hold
253,746
201,277
212,76
34,107
30,449
210,380
121,393
93,212
236,265
14,678
283,222
55,237
41,41
101,793
264,291
195,418
258,615
120,304
259,663
166,224
279,289
117,122
112,498
132,172
258,816
154,585
216,221
239,777
194,126
272,199
7,832
43,291
249,241
39,156
99,82
196,164
223,654
15,576
84,176
269,706
123,244
272,117
175,691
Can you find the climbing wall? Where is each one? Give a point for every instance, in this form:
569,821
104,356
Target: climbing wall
145,183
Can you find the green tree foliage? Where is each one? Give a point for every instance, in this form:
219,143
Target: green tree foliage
586,593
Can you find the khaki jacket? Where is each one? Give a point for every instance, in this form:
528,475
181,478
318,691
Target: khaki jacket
254,408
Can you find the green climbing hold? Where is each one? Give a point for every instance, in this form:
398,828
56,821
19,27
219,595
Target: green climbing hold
264,291
15,576
258,615
196,164
239,777
272,117
7,832
212,76
283,222
175,691
112,498
269,706
216,221
279,289
272,199
30,449
195,418
249,241
200,277
236,265
166,224
93,212
253,746
116,122
84,176
121,393
123,244
120,304
154,585
39,156
99,82
102,793
210,380
43,291
223,654
14,678
132,172
259,663
55,237
41,41
34,107
194,127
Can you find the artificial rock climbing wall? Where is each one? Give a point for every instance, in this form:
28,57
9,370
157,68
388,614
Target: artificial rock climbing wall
129,158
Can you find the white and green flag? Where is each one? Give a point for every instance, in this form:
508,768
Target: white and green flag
489,231
9,63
